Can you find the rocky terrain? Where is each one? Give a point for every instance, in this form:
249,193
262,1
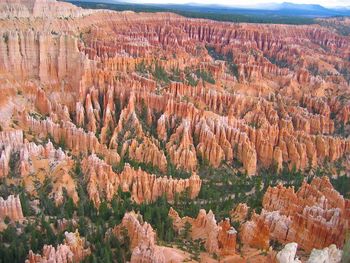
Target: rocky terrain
150,137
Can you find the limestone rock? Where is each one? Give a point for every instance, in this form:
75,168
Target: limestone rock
287,254
329,254
11,208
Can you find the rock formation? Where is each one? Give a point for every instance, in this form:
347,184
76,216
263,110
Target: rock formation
287,254
218,125
34,160
314,217
9,140
73,250
181,149
218,238
240,213
38,8
11,208
103,183
142,242
129,132
255,233
74,138
139,92
328,254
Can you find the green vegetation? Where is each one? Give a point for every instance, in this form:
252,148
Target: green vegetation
338,25
17,240
37,116
282,63
160,74
13,165
175,74
163,77
142,67
342,184
313,69
346,250
222,189
345,72
190,77
229,58
217,15
205,76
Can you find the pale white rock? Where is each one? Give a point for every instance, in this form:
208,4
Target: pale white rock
327,255
287,254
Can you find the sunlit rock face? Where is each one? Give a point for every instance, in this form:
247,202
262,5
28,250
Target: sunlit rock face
328,254
280,106
315,216
143,102
39,8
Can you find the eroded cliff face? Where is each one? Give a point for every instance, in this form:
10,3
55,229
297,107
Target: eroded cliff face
49,57
258,129
144,102
315,216
39,8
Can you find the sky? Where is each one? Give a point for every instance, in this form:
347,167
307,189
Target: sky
326,3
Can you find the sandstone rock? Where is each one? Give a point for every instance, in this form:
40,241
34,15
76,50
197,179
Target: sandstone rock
277,101
9,140
59,55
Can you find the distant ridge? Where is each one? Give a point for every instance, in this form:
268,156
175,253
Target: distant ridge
268,9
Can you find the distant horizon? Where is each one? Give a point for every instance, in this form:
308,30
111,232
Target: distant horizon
251,4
